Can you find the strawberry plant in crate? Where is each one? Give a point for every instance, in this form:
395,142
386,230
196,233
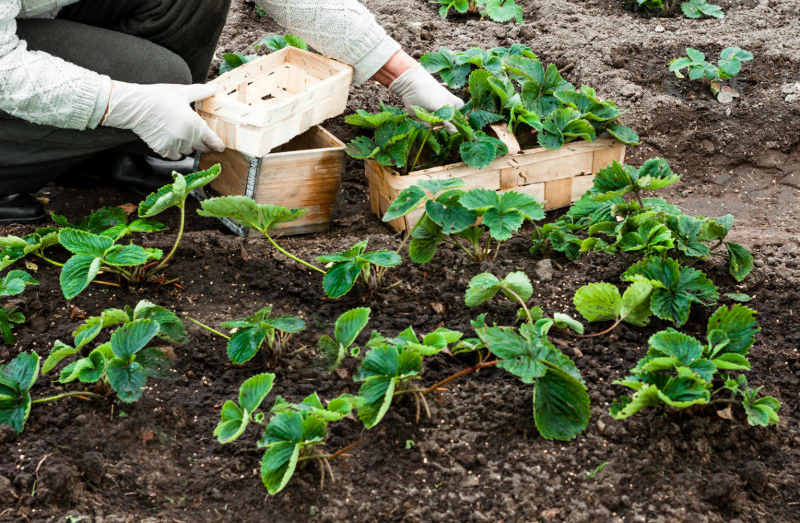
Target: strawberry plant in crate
13,284
401,141
497,10
346,267
451,215
513,86
681,372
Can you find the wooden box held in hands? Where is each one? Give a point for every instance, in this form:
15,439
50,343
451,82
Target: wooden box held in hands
265,103
302,174
556,178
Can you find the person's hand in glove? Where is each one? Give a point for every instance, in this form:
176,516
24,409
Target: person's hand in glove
162,116
406,78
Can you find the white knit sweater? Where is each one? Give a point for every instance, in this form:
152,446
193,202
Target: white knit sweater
43,89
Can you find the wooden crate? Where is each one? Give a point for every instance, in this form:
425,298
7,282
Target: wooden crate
265,103
302,174
556,178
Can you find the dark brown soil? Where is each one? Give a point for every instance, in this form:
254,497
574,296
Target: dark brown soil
480,457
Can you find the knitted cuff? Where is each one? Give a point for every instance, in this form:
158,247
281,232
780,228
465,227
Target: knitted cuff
101,104
375,60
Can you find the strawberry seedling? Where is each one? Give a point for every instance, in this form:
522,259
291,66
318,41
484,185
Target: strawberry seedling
170,329
123,365
640,226
729,65
348,326
96,252
291,436
346,267
679,371
497,10
249,335
259,217
690,8
451,214
390,368
13,284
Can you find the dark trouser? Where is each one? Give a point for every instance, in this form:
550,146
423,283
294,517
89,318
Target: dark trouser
137,41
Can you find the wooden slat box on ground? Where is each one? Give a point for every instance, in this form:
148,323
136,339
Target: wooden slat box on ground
265,103
556,178
302,174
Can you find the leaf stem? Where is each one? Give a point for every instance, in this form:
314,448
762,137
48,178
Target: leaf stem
174,247
67,395
458,244
330,457
421,147
209,329
521,302
295,258
570,333
457,375
48,260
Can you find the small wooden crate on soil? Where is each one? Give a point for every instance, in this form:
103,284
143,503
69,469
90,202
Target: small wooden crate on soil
302,174
556,178
265,103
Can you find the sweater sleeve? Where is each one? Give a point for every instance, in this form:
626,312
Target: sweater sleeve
41,88
341,29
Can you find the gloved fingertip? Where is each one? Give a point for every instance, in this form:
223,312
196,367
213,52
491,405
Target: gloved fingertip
199,92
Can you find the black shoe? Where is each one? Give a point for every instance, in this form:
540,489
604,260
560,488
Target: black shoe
139,174
20,208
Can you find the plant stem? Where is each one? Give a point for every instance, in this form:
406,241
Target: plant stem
458,244
118,270
67,395
639,198
570,333
295,258
48,260
209,329
457,375
421,147
330,457
521,302
174,247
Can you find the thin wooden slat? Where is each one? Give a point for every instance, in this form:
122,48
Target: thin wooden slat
581,184
604,157
557,193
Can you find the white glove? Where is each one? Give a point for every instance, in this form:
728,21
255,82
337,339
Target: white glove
418,87
161,115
